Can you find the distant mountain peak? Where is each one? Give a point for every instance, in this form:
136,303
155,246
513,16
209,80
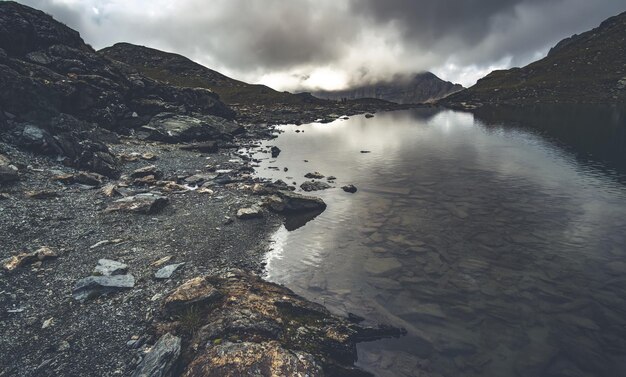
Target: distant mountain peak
421,87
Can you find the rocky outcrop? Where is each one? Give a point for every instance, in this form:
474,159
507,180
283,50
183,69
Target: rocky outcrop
583,69
161,359
57,92
421,88
236,324
172,128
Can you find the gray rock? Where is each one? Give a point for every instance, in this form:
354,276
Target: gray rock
8,173
107,267
253,212
287,201
161,358
275,151
146,203
146,171
93,286
167,271
349,188
172,128
314,186
316,175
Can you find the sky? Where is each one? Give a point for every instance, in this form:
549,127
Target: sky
307,45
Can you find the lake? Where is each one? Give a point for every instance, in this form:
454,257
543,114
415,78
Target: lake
498,242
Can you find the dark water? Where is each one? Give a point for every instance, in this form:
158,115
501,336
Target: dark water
500,248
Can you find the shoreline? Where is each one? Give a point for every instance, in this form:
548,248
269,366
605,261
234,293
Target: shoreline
48,332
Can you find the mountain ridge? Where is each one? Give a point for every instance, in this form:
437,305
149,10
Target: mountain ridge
585,68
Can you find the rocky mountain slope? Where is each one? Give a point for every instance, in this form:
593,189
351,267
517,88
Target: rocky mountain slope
253,103
421,88
586,68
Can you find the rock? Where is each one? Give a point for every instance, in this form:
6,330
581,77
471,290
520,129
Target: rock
146,203
83,178
167,271
314,186
368,115
43,194
109,190
331,178
107,267
349,188
291,202
16,261
161,359
172,128
382,266
146,171
197,291
275,151
199,179
316,175
205,147
105,242
253,359
93,286
149,157
253,212
161,261
8,172
365,151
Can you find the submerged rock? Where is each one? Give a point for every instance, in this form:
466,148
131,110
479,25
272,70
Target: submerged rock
161,358
146,203
349,188
93,286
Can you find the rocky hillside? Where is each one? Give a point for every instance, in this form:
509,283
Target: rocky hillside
421,88
586,68
59,97
181,71
253,103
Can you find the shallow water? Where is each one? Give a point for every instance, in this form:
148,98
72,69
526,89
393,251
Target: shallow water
500,249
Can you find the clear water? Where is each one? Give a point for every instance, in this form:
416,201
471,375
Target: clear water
499,248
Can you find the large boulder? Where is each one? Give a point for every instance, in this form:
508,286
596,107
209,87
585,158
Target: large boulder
291,202
173,128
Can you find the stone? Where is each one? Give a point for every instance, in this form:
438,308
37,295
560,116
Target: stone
16,261
161,261
275,151
8,172
146,171
83,178
309,186
204,147
349,188
197,291
291,202
146,203
368,115
315,175
173,128
167,271
107,267
161,359
93,286
253,359
253,212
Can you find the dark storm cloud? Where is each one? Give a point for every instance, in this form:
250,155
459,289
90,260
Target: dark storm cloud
295,44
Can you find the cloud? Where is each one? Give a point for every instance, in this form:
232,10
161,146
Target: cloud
310,44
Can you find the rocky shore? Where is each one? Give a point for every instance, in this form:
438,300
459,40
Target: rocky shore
132,227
